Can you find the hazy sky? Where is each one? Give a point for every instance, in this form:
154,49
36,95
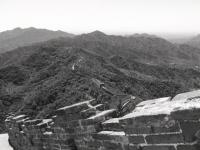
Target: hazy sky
110,16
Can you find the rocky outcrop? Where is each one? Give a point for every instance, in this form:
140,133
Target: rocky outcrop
160,124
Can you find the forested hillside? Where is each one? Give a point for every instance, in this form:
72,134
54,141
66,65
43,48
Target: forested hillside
19,37
42,77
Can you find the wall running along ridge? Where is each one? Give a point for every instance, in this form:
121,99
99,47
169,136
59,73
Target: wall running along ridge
160,124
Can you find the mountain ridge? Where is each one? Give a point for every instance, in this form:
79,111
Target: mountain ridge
19,37
195,41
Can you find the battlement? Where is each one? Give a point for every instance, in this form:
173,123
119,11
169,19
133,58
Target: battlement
159,124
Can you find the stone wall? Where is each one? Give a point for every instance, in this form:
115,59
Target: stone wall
161,124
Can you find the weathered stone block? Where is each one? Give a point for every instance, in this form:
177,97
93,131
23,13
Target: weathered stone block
114,137
112,146
158,147
136,139
102,137
137,130
188,114
189,129
130,147
164,138
112,127
187,147
150,124
94,144
143,120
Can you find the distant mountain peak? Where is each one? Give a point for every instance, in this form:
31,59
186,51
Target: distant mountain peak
97,33
18,28
31,28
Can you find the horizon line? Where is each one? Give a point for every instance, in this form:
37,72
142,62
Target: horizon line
122,33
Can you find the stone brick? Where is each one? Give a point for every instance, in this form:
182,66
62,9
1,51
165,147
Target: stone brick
115,138
136,139
72,116
190,114
158,147
130,147
143,120
166,129
187,147
151,129
164,138
112,146
112,127
150,124
189,129
94,144
102,137
137,130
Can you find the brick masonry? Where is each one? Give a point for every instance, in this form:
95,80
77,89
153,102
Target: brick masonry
89,126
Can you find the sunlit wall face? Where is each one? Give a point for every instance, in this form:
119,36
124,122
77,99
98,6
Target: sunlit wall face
110,16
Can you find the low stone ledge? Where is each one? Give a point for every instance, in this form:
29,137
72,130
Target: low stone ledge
116,137
75,108
32,122
112,125
104,115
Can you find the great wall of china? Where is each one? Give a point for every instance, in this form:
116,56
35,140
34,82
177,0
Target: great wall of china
159,124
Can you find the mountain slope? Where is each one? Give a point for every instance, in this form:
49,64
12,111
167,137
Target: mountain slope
195,41
42,77
22,37
145,49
